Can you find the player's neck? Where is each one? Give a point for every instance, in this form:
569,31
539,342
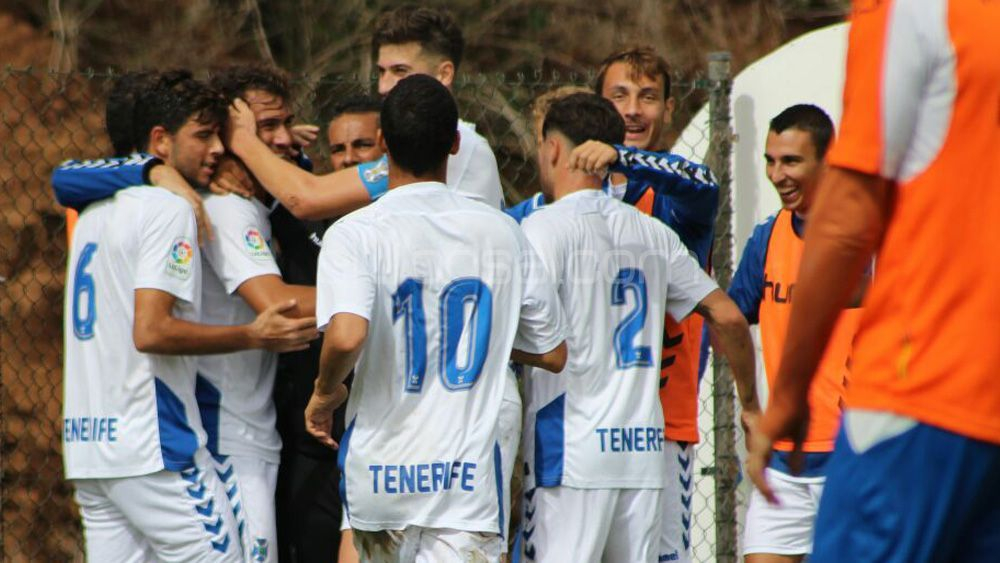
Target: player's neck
399,177
573,182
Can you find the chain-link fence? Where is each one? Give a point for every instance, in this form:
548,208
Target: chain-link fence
49,117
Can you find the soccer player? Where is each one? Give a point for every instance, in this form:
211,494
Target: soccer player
764,288
352,132
913,476
427,292
133,443
595,437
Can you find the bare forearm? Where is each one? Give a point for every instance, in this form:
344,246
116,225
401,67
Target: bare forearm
174,336
554,360
844,230
305,195
734,340
334,367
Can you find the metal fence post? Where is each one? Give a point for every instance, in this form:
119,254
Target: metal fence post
726,461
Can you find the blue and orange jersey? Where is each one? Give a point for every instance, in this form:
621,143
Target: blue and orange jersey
685,197
764,290
922,111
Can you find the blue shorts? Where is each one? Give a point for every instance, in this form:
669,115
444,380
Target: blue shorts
925,494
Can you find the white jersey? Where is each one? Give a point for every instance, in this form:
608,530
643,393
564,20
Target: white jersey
449,286
473,171
599,423
127,413
234,390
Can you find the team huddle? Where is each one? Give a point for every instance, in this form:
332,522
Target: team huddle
436,375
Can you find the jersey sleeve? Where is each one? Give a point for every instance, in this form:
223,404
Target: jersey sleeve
345,279
541,327
238,251
375,176
522,210
168,250
747,288
691,188
77,183
890,54
473,171
689,284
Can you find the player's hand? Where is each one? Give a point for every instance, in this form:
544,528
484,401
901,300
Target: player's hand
783,419
319,413
593,157
241,121
759,447
304,134
232,177
168,178
273,331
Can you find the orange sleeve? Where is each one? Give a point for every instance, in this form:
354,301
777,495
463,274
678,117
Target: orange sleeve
860,141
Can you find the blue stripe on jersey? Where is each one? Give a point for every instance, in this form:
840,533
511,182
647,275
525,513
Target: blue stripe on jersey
498,472
178,441
527,207
345,444
375,177
209,401
550,442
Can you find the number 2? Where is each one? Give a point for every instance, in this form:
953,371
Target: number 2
627,354
83,284
408,304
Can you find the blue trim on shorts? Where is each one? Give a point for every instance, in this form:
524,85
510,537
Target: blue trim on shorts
924,495
498,471
345,444
178,442
550,442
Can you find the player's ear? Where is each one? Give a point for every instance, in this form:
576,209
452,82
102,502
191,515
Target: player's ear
455,144
380,141
668,114
446,73
161,142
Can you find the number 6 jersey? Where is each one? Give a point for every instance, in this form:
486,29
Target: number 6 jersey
448,286
599,424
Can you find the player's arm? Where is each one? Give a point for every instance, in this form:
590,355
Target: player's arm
732,336
554,360
79,183
342,344
157,331
747,288
691,188
265,291
305,195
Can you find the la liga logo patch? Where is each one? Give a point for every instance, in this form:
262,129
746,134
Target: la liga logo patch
180,257
255,244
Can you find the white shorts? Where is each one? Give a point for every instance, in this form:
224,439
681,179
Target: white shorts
675,535
164,516
250,483
427,545
786,529
509,428
609,525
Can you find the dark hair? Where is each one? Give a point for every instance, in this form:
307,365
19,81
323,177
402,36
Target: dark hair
435,31
585,117
809,118
119,113
235,81
419,123
642,60
358,103
171,100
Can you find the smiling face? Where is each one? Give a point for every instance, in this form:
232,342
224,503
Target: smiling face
641,102
793,167
397,61
274,121
353,139
194,150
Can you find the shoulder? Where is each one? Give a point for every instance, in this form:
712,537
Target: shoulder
153,199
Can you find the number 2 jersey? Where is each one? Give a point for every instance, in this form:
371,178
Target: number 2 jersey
599,424
127,413
448,286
